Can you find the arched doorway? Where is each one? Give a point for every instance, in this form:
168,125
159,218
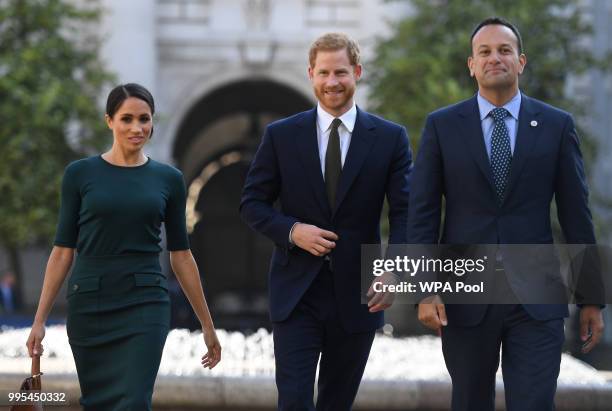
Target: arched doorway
213,148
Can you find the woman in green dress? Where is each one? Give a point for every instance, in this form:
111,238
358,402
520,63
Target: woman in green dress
112,208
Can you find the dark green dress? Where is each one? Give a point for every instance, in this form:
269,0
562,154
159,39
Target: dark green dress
118,304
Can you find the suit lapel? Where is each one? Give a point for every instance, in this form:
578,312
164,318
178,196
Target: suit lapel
472,130
308,149
361,140
525,138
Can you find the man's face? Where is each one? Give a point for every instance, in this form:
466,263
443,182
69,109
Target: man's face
334,81
495,60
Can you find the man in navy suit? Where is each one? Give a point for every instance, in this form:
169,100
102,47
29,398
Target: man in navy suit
330,168
498,159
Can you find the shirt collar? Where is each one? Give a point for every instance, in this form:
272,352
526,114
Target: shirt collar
324,119
513,106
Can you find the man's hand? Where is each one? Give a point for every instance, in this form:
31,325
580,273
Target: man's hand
432,313
313,239
378,301
591,327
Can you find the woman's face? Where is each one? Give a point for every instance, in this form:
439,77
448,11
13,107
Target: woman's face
131,124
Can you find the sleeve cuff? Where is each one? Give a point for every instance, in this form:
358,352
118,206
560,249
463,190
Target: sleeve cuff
66,244
291,243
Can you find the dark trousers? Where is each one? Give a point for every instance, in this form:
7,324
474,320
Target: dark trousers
530,359
313,331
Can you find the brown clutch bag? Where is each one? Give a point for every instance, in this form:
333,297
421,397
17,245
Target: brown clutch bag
31,384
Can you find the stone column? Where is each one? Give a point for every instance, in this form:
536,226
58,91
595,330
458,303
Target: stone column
129,41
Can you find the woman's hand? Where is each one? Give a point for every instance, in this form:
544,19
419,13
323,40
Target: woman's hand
213,356
60,261
34,343
186,271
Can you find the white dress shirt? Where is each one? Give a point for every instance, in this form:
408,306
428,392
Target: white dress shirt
345,131
486,121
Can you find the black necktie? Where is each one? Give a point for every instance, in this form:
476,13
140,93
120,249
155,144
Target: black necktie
501,154
333,163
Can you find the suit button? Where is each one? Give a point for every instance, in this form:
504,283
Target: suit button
75,287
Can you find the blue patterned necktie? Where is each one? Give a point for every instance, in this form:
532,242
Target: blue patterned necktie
501,155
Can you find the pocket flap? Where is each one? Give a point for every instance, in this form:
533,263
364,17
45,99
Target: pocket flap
150,280
84,285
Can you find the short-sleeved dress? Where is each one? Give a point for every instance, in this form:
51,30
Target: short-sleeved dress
118,304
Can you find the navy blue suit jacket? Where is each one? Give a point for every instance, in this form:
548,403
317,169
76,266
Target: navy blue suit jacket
287,168
452,162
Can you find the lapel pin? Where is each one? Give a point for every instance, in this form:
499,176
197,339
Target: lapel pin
533,123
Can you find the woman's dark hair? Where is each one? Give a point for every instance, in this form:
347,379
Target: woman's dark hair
120,93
